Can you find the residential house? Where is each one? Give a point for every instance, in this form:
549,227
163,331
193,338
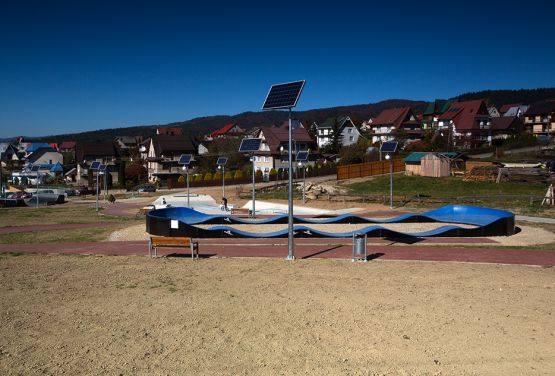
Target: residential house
393,120
31,148
169,131
366,125
87,152
503,109
349,131
45,156
504,127
163,155
228,130
275,143
11,154
540,118
468,123
430,116
126,142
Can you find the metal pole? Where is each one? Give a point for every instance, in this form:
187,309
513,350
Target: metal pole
38,174
304,180
97,173
253,188
290,244
223,181
188,202
391,183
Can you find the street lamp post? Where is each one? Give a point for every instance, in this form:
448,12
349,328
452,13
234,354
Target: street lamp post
186,169
301,165
388,157
253,186
38,179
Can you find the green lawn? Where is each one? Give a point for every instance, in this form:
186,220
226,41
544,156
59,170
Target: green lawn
455,190
56,214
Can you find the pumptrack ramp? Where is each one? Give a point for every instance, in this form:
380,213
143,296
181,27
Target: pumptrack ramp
185,222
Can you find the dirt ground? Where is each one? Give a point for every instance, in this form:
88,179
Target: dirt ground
140,316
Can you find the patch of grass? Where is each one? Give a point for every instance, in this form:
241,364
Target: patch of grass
92,234
56,214
455,190
10,254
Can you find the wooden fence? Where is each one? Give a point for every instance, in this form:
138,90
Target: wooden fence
368,169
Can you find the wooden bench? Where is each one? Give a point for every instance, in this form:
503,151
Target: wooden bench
173,242
241,211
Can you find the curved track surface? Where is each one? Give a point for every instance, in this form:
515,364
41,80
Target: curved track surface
184,222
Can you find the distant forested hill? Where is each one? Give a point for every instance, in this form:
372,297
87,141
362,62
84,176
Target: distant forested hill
501,97
204,125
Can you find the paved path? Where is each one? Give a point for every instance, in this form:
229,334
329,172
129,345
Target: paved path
535,219
305,248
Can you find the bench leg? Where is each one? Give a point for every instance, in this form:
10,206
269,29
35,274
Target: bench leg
149,249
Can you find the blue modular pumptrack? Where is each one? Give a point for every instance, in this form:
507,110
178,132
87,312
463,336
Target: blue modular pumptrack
184,221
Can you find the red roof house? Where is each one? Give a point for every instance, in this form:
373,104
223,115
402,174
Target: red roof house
227,130
469,121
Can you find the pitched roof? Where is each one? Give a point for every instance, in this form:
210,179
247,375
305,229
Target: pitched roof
416,156
57,168
541,108
513,111
68,145
36,146
34,156
506,107
464,113
172,145
395,117
94,149
340,120
224,130
275,136
505,122
437,107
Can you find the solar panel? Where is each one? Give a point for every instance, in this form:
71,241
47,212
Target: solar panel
283,95
221,161
185,159
102,167
35,168
302,156
250,144
389,147
95,165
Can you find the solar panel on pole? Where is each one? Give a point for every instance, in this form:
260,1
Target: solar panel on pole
302,156
95,165
283,95
185,159
222,161
102,167
250,145
389,147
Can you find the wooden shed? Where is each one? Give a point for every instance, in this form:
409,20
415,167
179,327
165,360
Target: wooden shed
435,165
429,164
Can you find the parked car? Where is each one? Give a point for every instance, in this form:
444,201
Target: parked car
83,191
146,188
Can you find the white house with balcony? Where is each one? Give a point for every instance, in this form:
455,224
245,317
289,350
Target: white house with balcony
325,131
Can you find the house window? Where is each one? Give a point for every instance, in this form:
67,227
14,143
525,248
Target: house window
351,138
350,130
325,132
266,159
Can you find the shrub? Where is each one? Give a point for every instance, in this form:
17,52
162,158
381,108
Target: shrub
238,174
111,198
218,176
258,174
181,179
208,176
228,175
273,173
198,177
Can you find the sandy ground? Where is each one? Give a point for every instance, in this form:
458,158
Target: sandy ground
137,316
528,235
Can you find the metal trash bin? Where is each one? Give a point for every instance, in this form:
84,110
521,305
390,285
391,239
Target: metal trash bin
359,247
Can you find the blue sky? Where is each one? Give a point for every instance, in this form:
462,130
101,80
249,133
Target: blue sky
70,66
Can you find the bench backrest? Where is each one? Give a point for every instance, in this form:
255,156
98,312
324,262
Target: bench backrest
163,240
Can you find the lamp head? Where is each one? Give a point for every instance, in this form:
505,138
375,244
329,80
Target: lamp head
387,156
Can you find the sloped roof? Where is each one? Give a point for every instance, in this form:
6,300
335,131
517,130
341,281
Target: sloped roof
506,107
36,146
340,120
505,122
57,168
172,145
437,107
513,111
541,108
223,130
395,117
34,156
275,136
96,149
416,156
464,113
68,145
